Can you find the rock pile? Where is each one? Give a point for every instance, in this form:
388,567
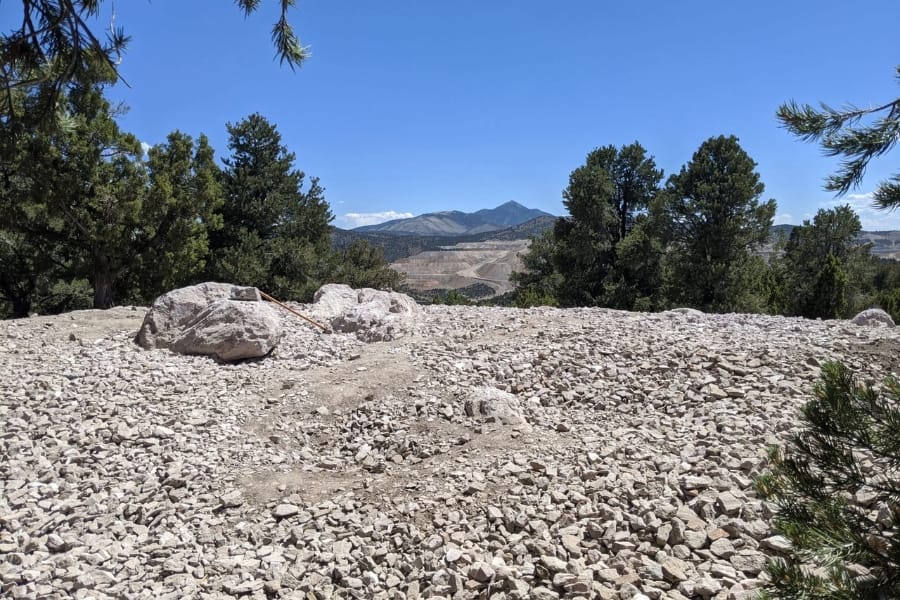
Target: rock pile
338,468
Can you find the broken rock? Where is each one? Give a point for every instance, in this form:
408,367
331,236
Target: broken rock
376,316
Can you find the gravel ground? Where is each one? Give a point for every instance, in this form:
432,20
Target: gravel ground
618,464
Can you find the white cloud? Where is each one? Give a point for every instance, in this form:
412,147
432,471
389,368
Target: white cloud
351,220
784,219
145,148
872,219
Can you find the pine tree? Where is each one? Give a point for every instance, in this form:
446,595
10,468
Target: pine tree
54,46
604,197
713,218
275,229
838,494
856,134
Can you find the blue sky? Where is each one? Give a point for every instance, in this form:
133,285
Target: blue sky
412,106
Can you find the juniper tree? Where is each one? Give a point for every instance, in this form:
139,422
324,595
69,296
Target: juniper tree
818,258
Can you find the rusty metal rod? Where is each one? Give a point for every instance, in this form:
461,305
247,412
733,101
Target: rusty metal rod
291,310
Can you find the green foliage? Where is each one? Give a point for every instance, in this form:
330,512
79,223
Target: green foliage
751,282
856,134
452,298
275,229
816,262
636,282
712,219
80,203
837,494
52,48
362,265
604,198
529,297
539,278
889,301
178,214
830,290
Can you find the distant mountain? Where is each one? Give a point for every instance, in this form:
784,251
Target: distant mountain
509,214
397,246
456,223
522,231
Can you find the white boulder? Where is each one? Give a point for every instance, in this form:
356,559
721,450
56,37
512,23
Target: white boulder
491,404
332,299
873,317
371,315
226,321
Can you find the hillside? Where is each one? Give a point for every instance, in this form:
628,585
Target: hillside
398,246
464,264
456,223
494,452
454,262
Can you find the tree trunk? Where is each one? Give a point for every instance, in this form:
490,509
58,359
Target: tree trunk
21,306
104,293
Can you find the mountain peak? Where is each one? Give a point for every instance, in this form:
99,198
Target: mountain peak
511,204
454,222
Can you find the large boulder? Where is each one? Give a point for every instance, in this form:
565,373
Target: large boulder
494,405
371,315
332,299
873,317
226,321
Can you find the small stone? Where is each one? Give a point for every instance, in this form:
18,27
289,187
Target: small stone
728,504
674,570
452,555
750,562
283,511
723,548
778,543
481,572
555,565
341,548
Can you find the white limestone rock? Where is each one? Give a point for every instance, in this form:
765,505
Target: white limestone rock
222,320
873,317
377,316
492,404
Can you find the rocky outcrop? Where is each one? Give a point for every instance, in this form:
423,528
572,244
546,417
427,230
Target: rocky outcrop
370,315
873,317
222,320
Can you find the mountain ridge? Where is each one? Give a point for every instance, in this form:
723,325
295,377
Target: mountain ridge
458,223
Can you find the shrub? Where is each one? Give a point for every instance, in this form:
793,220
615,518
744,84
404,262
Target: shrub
837,491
